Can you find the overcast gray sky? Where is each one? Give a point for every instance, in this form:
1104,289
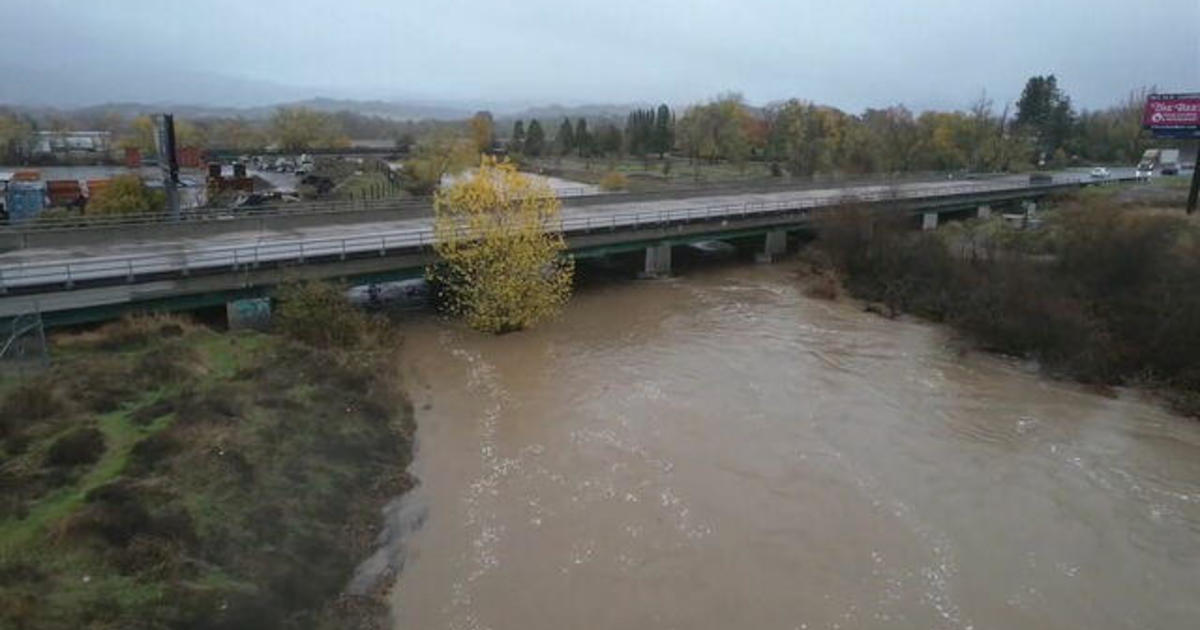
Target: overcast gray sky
847,53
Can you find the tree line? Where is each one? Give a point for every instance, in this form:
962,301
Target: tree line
804,138
288,128
796,136
646,131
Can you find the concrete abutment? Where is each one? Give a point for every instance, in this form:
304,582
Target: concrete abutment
658,261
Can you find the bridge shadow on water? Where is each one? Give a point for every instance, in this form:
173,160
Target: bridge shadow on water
411,297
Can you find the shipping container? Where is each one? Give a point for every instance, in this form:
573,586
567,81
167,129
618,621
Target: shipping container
27,176
190,157
64,192
24,200
94,186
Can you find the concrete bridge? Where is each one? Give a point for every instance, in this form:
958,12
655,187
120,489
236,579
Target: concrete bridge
90,275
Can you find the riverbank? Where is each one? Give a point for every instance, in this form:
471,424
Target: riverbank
161,474
1106,291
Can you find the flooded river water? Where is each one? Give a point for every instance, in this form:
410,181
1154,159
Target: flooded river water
717,451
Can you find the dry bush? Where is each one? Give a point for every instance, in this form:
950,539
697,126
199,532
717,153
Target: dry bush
129,332
30,401
1105,293
77,447
102,383
824,286
113,512
168,364
614,181
320,315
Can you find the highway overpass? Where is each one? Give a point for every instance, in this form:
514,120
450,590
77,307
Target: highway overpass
100,272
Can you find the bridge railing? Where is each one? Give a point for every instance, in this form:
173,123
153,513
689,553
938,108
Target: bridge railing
70,274
271,210
85,222
93,221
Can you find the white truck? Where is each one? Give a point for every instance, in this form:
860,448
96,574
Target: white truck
1165,161
1168,161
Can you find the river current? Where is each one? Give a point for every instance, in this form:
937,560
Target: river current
718,451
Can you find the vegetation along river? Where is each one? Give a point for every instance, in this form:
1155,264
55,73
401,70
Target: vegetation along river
718,451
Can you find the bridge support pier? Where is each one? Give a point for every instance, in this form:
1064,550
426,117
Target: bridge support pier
774,246
252,313
658,261
929,221
983,212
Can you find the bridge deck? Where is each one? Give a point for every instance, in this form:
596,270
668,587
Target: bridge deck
37,277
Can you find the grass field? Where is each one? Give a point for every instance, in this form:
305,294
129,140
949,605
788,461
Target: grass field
161,474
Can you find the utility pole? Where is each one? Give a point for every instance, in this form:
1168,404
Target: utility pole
1195,190
169,162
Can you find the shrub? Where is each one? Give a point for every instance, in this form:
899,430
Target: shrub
103,383
112,512
318,314
614,181
1103,293
76,447
149,452
129,332
33,400
170,363
126,194
823,286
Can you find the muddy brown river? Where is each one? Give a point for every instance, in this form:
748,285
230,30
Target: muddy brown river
717,451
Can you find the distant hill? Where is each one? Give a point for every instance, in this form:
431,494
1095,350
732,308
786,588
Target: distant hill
393,110
590,112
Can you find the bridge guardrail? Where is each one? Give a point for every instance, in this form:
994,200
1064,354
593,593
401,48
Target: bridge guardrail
68,274
89,222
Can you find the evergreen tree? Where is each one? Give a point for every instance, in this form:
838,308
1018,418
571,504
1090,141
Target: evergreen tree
517,143
535,140
566,137
639,132
583,139
1046,113
663,139
608,139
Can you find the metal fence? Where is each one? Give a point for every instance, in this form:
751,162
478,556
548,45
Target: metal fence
116,269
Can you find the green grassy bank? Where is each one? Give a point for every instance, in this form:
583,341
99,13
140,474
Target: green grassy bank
163,475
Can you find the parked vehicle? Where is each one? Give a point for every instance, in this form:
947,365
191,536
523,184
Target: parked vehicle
1100,173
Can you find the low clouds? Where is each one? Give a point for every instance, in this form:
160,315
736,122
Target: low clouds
850,53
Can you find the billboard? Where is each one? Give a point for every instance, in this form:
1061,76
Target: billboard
1173,115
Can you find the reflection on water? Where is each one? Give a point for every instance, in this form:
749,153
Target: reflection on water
717,451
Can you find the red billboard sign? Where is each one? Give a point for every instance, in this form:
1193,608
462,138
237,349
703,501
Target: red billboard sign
1172,114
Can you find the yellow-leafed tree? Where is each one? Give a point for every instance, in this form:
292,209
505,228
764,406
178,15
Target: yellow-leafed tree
126,194
503,265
